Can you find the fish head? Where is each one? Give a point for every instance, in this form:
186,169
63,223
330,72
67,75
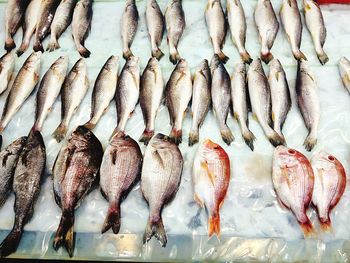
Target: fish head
288,157
275,64
240,67
133,64
256,65
61,64
215,62
112,63
33,61
7,58
182,65
344,61
153,64
35,139
80,66
326,161
159,140
80,136
210,148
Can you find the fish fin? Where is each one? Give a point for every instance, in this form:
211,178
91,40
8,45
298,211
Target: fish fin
127,54
289,3
246,57
298,55
310,143
112,219
64,234
322,57
176,136
60,132
227,135
90,125
249,139
53,45
275,139
182,75
205,167
9,44
307,228
266,57
146,136
223,58
23,47
326,225
83,51
38,47
10,243
174,57
214,225
157,53
155,229
198,200
307,7
193,137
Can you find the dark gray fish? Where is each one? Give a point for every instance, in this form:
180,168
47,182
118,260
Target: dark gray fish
129,23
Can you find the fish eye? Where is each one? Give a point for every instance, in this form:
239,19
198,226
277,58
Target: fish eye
331,158
291,151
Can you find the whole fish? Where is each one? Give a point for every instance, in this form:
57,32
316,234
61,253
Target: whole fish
155,25
151,95
14,15
7,66
330,183
49,90
293,180
129,23
22,87
74,172
267,24
63,18
178,95
315,24
104,91
239,96
81,25
260,97
201,99
8,161
344,70
73,92
221,97
216,23
175,25
160,180
45,17
280,96
120,171
27,180
29,25
308,101
293,27
237,23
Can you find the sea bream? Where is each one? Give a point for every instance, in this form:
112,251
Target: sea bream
344,70
7,66
129,24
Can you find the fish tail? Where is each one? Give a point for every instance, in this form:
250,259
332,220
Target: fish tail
174,57
146,136
246,57
298,55
214,225
10,243
157,53
322,57
83,51
38,47
23,48
112,219
176,136
227,135
60,132
275,139
64,234
9,44
193,137
90,125
53,45
307,228
266,57
127,54
326,224
310,142
155,228
249,139
223,58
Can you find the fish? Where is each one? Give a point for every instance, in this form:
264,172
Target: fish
14,15
309,102
344,70
221,97
62,19
104,91
293,181
8,161
120,171
73,92
49,89
81,25
267,24
7,66
201,99
29,25
129,23
240,97
238,27
28,175
23,85
74,172
293,27
175,25
280,96
155,25
330,183
160,180
260,97
315,24
151,95
178,93
216,23
45,17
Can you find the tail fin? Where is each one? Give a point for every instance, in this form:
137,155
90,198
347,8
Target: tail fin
249,139
10,243
83,51
112,219
9,44
127,54
223,58
322,57
38,46
53,45
157,53
146,136
176,136
214,225
298,55
90,125
227,135
246,57
155,229
275,139
23,48
307,228
64,234
326,225
193,137
310,142
174,57
60,132
266,57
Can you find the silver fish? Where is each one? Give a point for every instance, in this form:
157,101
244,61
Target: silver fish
7,66
160,180
129,23
344,70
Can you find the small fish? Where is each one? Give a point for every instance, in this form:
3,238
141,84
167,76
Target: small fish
160,180
175,25
344,70
308,101
49,90
23,85
293,27
201,99
74,173
129,23
151,95
216,23
104,91
81,25
221,97
211,178
315,24
267,24
155,25
73,92
239,96
27,180
178,95
7,66
120,171
293,180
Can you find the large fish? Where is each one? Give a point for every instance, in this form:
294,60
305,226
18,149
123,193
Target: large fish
160,180
104,90
74,173
293,180
22,87
129,23
27,180
120,171
49,89
7,66
211,178
344,70
73,92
